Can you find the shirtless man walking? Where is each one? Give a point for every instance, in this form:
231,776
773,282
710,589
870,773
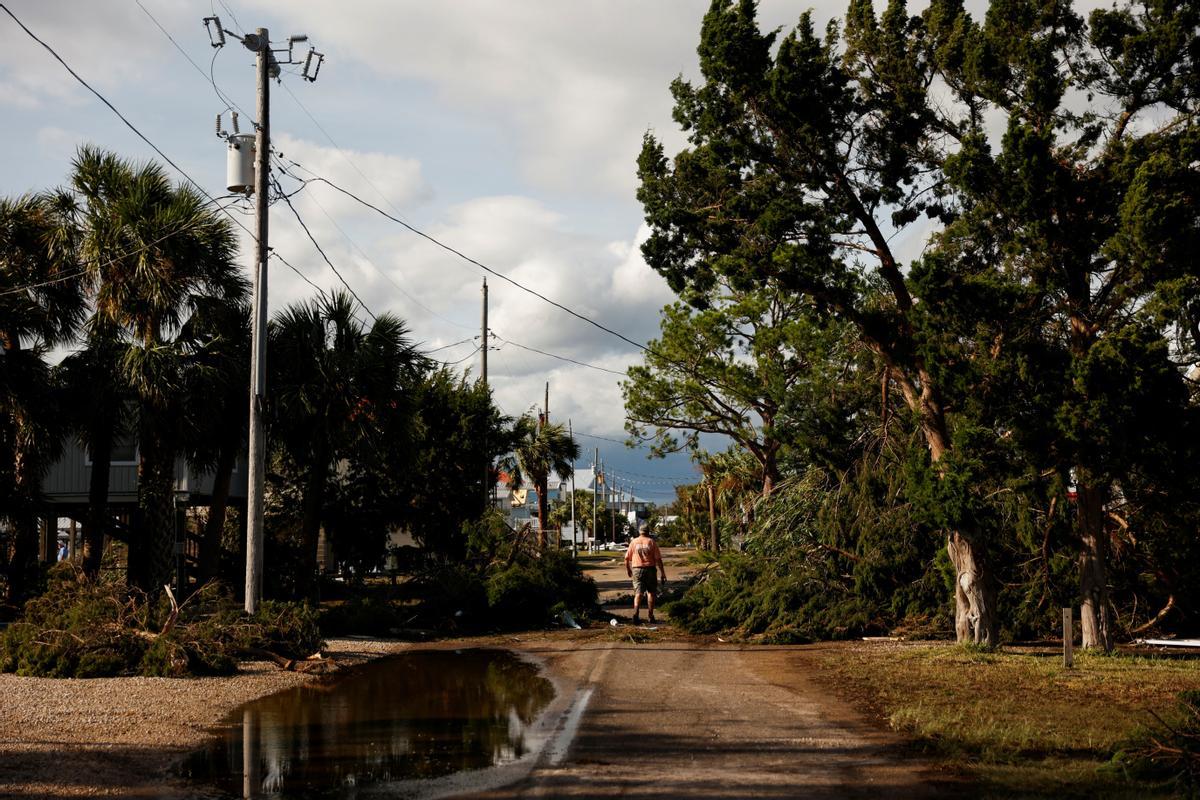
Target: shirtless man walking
641,559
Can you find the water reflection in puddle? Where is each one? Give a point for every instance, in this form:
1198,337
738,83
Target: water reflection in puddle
414,716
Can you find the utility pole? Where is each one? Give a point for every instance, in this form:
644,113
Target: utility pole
595,489
484,338
267,67
613,513
574,534
483,350
258,354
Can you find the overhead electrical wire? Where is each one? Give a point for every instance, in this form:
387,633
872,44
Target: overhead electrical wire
339,150
209,76
353,244
319,179
455,344
459,361
555,355
113,260
317,245
120,116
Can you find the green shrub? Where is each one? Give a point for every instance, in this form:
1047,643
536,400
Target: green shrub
368,616
533,591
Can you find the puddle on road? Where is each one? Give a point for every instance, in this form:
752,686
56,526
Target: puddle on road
420,715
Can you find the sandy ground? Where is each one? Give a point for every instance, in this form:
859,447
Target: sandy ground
641,711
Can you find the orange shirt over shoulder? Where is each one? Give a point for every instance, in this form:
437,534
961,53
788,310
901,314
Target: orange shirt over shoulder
643,552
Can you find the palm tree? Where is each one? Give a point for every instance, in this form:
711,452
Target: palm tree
156,252
97,406
216,411
334,386
541,449
41,306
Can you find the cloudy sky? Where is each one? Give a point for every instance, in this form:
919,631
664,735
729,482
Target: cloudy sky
509,130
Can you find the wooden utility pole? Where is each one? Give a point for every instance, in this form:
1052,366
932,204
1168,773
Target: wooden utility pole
256,462
483,347
483,351
595,489
574,533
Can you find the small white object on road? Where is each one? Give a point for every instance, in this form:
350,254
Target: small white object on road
613,622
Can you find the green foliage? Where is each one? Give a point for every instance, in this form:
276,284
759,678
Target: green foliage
823,560
370,615
502,585
534,591
457,434
88,629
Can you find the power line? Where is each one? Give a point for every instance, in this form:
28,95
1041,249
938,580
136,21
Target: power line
339,150
367,258
208,76
315,244
120,116
555,355
454,344
100,265
459,361
303,277
468,259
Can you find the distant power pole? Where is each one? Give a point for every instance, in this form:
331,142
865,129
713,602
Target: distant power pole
574,534
267,67
483,350
484,338
596,475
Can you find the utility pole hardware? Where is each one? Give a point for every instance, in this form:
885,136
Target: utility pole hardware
246,151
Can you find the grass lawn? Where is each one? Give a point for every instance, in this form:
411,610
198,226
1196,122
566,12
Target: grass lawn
1015,720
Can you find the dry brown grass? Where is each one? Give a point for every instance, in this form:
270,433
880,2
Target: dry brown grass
1015,720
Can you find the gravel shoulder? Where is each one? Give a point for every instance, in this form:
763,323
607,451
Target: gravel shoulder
121,737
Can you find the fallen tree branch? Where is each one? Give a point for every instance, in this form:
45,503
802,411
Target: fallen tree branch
1157,617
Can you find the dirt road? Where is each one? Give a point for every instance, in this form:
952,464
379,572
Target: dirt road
648,713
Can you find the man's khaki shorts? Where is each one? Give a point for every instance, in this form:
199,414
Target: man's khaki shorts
645,579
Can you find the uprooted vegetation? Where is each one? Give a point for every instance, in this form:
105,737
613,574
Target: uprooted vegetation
91,629
823,560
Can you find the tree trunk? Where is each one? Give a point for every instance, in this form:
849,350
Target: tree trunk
974,593
156,501
310,525
95,522
23,566
713,538
210,540
1093,580
975,616
543,512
